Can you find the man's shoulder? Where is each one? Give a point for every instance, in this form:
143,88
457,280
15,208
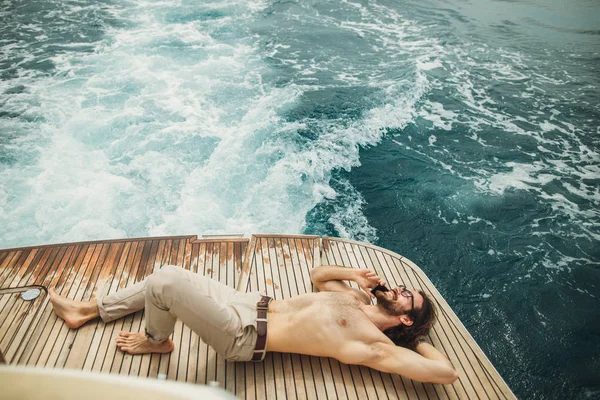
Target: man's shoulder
352,296
359,295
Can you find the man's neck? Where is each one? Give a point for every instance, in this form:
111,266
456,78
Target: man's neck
382,320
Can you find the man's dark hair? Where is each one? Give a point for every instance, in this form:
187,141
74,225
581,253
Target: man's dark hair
423,319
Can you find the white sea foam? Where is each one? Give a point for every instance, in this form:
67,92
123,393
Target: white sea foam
435,112
429,65
166,129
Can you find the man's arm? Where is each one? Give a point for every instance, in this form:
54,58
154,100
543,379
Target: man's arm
428,365
330,278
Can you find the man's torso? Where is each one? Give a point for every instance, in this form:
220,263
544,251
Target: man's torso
319,324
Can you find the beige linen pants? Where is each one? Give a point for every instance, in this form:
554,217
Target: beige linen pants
223,318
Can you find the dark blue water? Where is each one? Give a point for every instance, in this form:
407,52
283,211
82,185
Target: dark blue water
462,134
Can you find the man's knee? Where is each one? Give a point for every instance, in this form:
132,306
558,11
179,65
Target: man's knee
164,282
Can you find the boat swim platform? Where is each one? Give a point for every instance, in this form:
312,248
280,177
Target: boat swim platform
277,265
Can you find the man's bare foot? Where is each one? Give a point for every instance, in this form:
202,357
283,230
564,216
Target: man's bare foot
138,343
74,313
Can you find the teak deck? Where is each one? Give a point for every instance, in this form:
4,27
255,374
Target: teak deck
278,265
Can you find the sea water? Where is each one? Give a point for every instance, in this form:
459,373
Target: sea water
461,134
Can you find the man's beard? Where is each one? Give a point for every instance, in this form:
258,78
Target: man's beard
388,305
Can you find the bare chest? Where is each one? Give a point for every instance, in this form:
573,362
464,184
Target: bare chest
317,324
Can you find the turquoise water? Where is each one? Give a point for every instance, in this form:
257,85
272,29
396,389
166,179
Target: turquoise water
461,134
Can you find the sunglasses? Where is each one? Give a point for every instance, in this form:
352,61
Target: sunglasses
407,293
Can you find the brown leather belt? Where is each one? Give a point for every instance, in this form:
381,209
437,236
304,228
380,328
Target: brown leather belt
261,328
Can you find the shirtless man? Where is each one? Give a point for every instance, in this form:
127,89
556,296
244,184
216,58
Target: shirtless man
338,322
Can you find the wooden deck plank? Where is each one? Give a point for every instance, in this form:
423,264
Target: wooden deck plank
7,303
23,271
92,336
13,318
194,342
268,286
230,372
210,354
302,266
294,285
72,285
204,268
220,272
176,258
8,267
79,340
64,336
153,360
3,255
140,364
6,323
112,355
26,314
19,330
221,276
40,352
121,361
165,359
47,280
11,306
255,378
130,364
248,389
106,330
323,380
282,371
186,333
290,364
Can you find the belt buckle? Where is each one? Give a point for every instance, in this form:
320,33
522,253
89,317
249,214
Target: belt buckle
263,304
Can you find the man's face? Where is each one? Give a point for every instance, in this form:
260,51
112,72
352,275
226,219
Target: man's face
398,301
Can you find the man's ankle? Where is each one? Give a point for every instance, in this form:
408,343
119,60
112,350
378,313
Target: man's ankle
90,308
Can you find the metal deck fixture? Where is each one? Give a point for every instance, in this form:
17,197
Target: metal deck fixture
30,294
